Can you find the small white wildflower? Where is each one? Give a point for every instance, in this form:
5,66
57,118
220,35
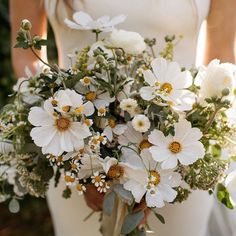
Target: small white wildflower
102,111
86,81
98,179
70,179
129,105
75,165
103,188
80,189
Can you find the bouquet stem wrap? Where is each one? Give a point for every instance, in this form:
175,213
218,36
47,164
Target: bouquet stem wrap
111,225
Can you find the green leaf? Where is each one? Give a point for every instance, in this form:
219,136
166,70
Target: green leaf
124,194
109,202
131,221
224,196
159,217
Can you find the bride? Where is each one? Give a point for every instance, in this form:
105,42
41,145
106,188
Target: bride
153,19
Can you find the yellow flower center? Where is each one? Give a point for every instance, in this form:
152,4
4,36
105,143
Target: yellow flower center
140,123
54,103
175,147
79,110
87,122
90,96
144,144
63,124
154,177
102,110
86,80
73,166
59,159
97,179
79,187
101,138
112,123
69,179
66,108
167,87
115,172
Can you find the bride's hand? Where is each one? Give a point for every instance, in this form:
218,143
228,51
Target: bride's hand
93,198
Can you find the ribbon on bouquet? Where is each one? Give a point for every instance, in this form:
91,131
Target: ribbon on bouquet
111,225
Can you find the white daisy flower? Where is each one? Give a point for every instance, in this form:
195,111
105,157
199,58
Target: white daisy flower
98,179
129,105
70,179
86,81
75,165
166,81
83,21
103,188
141,123
80,189
151,181
183,146
56,133
112,127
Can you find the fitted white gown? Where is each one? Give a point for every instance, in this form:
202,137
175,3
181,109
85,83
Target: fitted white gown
151,18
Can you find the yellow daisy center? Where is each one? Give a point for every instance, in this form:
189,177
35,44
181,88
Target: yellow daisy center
102,110
112,123
175,147
90,96
60,159
66,108
144,144
69,179
115,172
167,87
54,103
87,122
101,138
73,166
79,187
63,124
155,177
98,179
79,110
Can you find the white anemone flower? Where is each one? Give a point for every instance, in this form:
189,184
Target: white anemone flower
56,133
83,21
113,128
166,81
183,146
151,181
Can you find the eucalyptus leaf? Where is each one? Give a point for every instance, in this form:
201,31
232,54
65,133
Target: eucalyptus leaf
109,202
159,217
131,221
124,194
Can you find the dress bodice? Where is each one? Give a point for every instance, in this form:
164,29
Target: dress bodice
151,18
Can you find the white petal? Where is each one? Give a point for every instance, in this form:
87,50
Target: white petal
182,80
108,133
158,153
159,66
88,108
119,129
173,69
38,117
149,77
75,98
170,163
137,189
79,130
154,200
82,18
170,178
156,137
66,142
147,93
167,192
73,25
54,146
117,20
42,136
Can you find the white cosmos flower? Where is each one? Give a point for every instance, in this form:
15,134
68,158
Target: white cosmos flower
112,127
152,181
141,123
167,81
214,78
183,146
56,133
131,42
83,21
129,105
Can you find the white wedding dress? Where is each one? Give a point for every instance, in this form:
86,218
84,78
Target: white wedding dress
151,18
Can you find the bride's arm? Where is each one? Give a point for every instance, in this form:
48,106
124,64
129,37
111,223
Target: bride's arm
32,10
221,28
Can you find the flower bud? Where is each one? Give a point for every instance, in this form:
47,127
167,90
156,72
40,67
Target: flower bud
225,92
26,25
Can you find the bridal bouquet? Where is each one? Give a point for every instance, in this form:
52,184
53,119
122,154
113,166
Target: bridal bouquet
135,125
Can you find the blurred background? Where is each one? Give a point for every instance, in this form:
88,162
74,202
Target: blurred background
33,219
